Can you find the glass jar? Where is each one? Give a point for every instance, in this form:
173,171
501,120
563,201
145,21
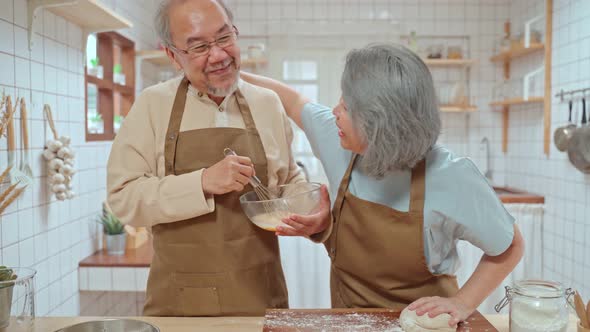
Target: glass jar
537,305
17,300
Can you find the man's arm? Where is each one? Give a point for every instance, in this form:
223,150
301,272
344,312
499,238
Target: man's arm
292,101
139,197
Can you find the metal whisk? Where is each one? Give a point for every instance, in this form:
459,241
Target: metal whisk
263,193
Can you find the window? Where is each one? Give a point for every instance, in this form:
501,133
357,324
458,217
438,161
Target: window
303,77
110,84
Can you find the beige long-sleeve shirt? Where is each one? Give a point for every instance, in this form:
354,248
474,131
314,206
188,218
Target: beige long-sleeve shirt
140,194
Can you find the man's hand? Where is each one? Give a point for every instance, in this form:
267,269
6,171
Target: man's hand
230,174
299,225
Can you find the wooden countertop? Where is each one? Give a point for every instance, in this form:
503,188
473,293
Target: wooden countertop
510,195
219,324
140,257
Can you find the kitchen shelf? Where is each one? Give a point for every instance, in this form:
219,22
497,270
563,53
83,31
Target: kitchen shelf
156,57
105,84
458,108
505,104
520,51
517,52
449,62
518,101
91,15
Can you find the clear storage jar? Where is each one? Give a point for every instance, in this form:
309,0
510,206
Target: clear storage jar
537,305
17,299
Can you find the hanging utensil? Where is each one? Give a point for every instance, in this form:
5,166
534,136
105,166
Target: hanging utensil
578,150
563,134
16,176
25,167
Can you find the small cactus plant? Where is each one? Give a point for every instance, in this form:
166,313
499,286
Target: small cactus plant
111,224
6,274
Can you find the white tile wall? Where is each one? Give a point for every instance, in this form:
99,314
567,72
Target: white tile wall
38,231
566,190
113,279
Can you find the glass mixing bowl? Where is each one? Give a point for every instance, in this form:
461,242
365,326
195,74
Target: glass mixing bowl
299,198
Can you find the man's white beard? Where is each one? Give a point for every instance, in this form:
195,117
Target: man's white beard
223,92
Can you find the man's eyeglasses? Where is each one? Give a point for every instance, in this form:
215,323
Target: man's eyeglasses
203,48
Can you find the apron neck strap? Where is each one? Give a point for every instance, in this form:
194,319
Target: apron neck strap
174,125
176,118
418,187
344,186
245,110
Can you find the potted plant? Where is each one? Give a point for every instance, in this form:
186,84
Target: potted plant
114,232
118,120
95,124
118,76
95,69
6,288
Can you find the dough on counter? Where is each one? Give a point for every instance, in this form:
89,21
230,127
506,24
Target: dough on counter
411,322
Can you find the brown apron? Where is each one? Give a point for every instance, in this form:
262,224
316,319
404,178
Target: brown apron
217,264
377,252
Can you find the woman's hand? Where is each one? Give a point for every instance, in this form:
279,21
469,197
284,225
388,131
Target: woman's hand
435,306
299,225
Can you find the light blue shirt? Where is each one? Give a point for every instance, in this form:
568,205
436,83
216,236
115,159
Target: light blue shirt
459,202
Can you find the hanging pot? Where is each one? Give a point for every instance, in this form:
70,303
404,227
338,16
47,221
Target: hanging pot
562,135
578,150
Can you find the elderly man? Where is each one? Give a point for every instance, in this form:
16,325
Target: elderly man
167,171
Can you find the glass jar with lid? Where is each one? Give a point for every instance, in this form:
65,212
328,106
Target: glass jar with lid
537,305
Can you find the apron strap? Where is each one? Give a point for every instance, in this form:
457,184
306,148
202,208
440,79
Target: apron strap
245,110
174,126
418,187
344,186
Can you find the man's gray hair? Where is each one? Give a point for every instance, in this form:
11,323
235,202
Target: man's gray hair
390,95
162,19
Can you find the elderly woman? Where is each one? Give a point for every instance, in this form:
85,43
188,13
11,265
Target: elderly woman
401,201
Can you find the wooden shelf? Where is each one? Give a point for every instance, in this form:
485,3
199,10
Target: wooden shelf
253,62
123,89
518,101
449,62
156,57
458,108
91,15
517,52
105,84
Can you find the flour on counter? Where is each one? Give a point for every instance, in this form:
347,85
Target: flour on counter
349,322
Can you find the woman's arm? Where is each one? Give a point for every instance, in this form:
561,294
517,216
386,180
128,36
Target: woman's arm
292,101
489,273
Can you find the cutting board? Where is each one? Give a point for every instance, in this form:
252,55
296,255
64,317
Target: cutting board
349,320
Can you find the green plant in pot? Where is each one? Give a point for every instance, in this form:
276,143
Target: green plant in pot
118,75
114,230
117,121
95,68
7,276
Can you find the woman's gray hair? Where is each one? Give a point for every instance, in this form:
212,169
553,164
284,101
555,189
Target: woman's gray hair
162,19
390,95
